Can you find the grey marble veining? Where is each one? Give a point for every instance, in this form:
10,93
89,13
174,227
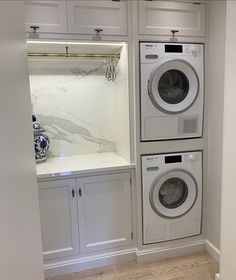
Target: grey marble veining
75,103
60,129
83,72
67,67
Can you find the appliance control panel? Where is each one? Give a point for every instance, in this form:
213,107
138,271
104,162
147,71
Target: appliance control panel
152,163
151,52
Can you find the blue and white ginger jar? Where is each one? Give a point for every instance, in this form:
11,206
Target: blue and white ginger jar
41,141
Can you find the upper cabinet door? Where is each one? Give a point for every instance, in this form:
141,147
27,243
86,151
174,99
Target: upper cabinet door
160,17
84,17
48,16
58,216
104,211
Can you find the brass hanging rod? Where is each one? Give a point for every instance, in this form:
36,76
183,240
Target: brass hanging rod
75,55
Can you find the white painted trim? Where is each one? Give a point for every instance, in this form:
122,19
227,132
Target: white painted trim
170,252
212,250
100,260
84,263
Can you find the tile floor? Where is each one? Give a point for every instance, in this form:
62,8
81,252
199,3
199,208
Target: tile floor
198,266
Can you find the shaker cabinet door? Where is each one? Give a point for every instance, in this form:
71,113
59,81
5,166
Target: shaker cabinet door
58,216
46,16
110,17
104,211
160,17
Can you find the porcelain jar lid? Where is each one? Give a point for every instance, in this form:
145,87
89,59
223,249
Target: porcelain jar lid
37,127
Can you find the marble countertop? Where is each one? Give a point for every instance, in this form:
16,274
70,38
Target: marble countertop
81,164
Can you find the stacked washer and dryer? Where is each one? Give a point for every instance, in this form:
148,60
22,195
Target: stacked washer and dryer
172,96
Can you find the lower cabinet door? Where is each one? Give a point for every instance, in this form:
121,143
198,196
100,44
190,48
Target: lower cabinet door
58,215
104,210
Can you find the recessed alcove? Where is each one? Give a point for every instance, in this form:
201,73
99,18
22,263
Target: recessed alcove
82,112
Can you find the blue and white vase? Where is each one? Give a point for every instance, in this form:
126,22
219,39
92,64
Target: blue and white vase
41,141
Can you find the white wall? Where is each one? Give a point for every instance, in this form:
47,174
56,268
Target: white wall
20,241
228,223
214,113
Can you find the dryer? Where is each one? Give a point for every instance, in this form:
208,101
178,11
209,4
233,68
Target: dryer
172,90
172,196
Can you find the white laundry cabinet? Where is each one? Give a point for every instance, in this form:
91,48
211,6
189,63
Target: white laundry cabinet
89,17
160,17
58,215
78,17
46,16
87,214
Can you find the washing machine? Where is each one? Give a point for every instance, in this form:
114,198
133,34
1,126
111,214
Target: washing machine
172,196
172,90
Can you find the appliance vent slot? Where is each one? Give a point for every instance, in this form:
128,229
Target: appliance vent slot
188,125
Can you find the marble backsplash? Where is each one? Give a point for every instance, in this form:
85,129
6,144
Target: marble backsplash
75,104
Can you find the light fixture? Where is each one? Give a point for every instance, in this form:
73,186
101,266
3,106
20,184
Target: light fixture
76,43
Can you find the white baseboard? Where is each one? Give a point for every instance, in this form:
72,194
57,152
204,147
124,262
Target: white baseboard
212,250
100,260
171,252
84,263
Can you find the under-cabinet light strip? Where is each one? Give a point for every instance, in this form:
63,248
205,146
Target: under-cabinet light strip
76,43
71,55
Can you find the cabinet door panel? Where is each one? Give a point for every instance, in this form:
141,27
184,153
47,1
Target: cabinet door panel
160,17
104,212
50,16
86,16
58,215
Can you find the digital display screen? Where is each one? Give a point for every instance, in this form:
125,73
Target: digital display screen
173,159
173,48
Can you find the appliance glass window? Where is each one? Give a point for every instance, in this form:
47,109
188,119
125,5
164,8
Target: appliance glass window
173,86
173,193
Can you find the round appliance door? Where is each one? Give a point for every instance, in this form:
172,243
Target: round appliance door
173,86
173,194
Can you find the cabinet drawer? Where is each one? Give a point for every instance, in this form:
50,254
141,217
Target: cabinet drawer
86,16
160,17
49,16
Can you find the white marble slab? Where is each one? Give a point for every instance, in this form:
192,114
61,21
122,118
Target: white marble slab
75,103
81,164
